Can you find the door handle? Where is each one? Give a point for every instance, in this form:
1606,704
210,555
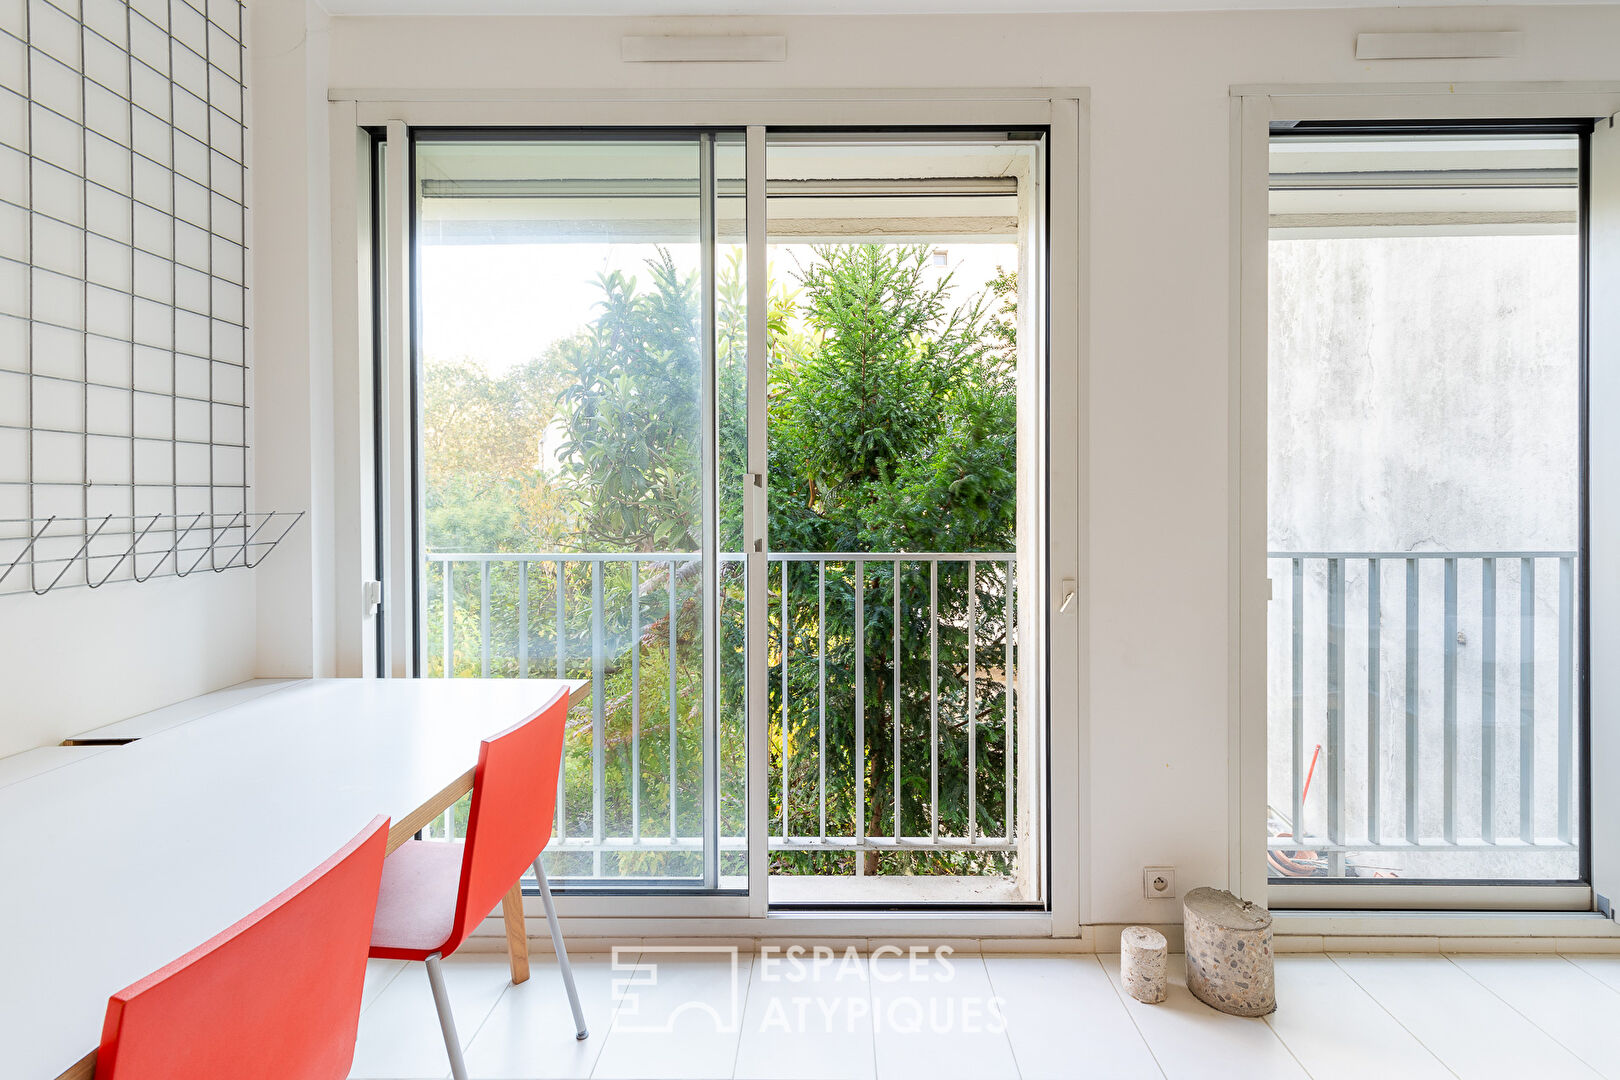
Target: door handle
1070,592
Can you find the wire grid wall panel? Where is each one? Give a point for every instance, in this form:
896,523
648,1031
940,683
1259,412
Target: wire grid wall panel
124,387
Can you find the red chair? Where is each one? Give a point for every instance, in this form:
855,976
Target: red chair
274,997
435,893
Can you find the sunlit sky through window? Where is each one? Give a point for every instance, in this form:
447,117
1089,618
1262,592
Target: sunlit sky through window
503,304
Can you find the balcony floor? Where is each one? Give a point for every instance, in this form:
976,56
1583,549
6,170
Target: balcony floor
900,889
1064,1016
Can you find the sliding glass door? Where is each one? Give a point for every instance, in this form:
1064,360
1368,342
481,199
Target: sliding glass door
569,348
899,269
827,537
1426,501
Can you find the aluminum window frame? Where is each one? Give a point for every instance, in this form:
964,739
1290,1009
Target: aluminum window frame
1254,109
1064,112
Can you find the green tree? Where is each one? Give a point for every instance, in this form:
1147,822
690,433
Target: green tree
892,428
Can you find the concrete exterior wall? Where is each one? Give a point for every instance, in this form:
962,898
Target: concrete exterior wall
1424,393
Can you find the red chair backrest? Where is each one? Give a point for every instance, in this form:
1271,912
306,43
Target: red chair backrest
274,997
514,797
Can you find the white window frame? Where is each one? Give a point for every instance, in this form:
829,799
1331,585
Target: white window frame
1061,553
1253,108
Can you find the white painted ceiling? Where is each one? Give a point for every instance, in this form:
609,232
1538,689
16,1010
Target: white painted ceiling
848,7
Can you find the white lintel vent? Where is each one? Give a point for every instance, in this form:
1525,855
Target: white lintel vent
1470,45
703,48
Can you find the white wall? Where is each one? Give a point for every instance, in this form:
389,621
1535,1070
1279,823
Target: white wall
292,330
1158,432
75,659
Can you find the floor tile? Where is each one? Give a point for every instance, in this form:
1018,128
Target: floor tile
1190,1039
399,1033
1472,1031
1336,1030
679,1014
938,1017
1560,998
1605,969
808,1017
379,973
529,1033
1066,1020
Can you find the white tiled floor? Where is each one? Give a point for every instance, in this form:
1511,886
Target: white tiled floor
674,1014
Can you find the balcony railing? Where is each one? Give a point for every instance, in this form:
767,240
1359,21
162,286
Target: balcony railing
851,621
1465,737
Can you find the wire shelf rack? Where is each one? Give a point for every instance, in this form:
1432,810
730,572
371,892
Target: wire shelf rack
38,555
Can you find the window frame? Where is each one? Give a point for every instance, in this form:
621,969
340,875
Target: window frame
1063,113
1254,109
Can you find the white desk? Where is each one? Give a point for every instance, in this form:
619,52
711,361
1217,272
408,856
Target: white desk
119,862
31,763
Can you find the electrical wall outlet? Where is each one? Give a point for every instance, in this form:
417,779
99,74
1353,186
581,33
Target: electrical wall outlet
1159,882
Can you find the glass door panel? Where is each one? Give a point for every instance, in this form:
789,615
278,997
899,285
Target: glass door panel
1425,507
577,395
904,284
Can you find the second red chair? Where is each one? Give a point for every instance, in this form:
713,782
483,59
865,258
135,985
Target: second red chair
435,893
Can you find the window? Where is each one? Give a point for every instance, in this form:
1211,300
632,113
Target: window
592,435
1425,504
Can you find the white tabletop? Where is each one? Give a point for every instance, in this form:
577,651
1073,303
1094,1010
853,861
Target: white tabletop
30,763
117,863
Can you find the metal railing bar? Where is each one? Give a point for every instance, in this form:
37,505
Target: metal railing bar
890,843
580,844
933,700
1374,695
894,681
1566,692
483,620
562,672
1412,761
1487,701
598,714
724,556
448,630
1335,700
972,720
1009,619
821,678
523,619
1297,704
787,738
1449,708
674,612
635,699
1322,844
860,709
1527,699
1440,555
